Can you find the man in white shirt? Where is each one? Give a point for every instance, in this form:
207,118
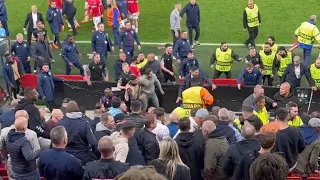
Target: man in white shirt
31,21
161,130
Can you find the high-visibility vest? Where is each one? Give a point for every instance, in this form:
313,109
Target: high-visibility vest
252,16
305,33
315,74
182,112
263,115
267,61
274,48
296,122
191,97
110,15
224,60
284,62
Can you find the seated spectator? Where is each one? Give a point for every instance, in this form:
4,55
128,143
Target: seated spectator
289,141
250,76
120,141
147,140
294,118
135,116
193,124
106,167
311,131
7,117
80,136
107,98
56,115
56,163
190,150
141,174
237,150
188,63
270,166
215,148
161,130
257,91
23,159
115,105
285,95
42,112
105,127
96,119
231,117
260,110
173,125
63,107
223,126
267,141
169,163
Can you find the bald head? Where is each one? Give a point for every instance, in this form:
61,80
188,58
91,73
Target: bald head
284,89
250,4
208,126
34,8
258,90
317,63
105,146
21,113
21,124
56,114
248,131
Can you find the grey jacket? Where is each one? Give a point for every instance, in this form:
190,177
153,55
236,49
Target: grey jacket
147,85
308,160
175,20
250,100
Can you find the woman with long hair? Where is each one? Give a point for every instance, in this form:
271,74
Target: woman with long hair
169,162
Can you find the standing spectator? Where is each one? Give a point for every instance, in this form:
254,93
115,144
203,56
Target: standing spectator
193,20
289,140
254,58
31,21
147,140
126,41
4,16
20,150
285,95
190,150
105,127
250,75
231,118
215,149
12,72
147,82
182,47
7,118
70,11
258,91
56,116
106,167
22,50
173,126
135,116
134,12
107,98
101,43
80,136
169,162
118,66
114,18
166,64
237,150
41,53
120,140
133,67
63,107
155,66
54,18
96,119
311,131
175,22
46,86
96,70
223,126
69,55
161,130
63,165
251,22
187,64
294,118
260,110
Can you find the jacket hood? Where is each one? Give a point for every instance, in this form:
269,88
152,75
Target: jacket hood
117,139
23,103
74,115
219,132
309,134
185,139
101,127
13,135
248,144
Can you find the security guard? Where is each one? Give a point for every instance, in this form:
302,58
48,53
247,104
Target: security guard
271,40
268,58
315,72
223,56
21,50
306,34
294,119
284,58
251,22
259,109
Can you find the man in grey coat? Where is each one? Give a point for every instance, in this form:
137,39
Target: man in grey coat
257,91
41,52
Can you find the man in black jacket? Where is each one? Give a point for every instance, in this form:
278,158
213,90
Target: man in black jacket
70,11
223,126
285,95
105,127
41,52
191,151
20,150
106,167
31,20
135,115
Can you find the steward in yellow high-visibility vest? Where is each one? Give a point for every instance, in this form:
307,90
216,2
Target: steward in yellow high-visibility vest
223,58
284,58
294,119
251,22
260,110
315,72
268,58
306,34
274,47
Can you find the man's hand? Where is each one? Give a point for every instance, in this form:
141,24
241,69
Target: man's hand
121,50
41,58
271,75
213,87
239,86
139,47
80,54
274,104
89,83
12,85
178,61
240,59
70,64
28,59
212,66
314,88
176,34
244,30
55,14
178,99
257,66
105,79
93,52
171,73
162,92
112,48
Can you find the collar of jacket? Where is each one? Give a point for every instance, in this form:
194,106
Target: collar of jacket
223,122
106,160
74,115
58,149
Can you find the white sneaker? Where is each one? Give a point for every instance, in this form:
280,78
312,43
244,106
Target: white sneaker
197,42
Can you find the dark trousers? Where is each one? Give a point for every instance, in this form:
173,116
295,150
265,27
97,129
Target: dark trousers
103,58
29,37
34,175
5,27
217,74
76,64
129,51
197,29
70,18
115,34
50,105
174,38
15,90
306,56
57,39
26,67
253,33
270,79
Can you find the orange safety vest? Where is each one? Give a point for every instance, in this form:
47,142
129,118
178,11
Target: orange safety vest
110,15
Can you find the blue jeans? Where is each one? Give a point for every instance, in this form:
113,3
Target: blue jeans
103,58
129,51
34,175
76,64
5,26
306,57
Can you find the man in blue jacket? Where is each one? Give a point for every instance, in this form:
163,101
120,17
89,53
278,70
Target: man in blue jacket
250,75
123,8
182,47
69,55
126,41
4,16
101,43
193,20
187,64
21,49
55,21
46,86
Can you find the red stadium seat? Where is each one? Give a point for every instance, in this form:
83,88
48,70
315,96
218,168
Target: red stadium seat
313,178
294,178
222,81
3,164
5,178
3,172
